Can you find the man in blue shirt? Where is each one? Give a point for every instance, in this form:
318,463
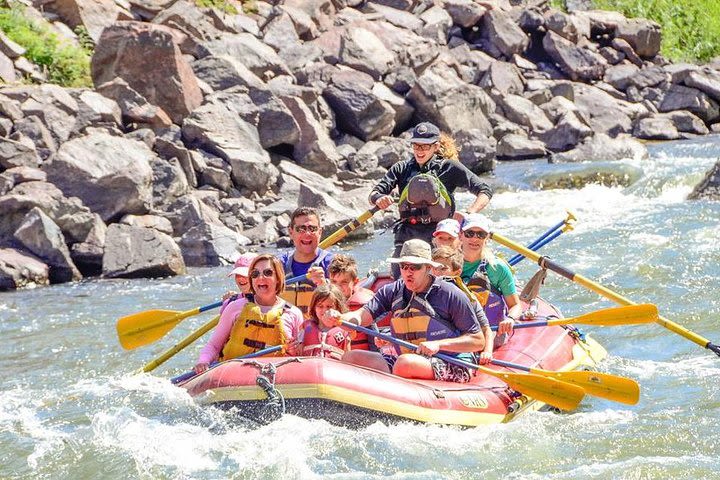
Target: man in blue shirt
433,314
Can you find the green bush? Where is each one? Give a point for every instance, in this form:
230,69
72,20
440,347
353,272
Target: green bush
223,5
690,28
65,64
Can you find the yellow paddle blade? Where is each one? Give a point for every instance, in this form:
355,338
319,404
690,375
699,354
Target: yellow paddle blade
598,384
564,396
629,315
146,327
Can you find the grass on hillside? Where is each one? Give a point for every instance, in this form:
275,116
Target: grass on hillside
690,28
64,63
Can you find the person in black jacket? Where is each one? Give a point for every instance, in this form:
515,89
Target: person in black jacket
426,183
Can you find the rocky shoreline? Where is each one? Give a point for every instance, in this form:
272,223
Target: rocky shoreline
205,129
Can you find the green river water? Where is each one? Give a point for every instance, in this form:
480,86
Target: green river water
70,407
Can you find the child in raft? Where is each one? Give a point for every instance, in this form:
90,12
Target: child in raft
452,261
321,336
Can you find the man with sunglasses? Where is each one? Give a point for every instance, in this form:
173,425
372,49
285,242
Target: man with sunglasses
306,258
419,220
489,277
426,310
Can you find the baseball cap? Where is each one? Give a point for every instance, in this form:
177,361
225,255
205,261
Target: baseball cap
449,226
242,264
425,133
475,220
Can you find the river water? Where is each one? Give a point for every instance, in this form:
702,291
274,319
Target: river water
70,406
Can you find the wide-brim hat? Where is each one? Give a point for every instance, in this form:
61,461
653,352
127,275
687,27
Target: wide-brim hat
425,133
415,251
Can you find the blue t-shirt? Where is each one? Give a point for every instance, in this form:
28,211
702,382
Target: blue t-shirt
449,302
298,268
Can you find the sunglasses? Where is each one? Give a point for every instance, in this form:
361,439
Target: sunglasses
472,233
410,266
306,228
268,272
423,147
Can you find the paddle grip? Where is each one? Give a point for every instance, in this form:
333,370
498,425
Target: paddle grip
714,348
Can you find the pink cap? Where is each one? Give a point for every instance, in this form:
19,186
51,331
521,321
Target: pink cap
242,264
449,226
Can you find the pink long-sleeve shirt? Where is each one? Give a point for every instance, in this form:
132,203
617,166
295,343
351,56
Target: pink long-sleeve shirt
292,320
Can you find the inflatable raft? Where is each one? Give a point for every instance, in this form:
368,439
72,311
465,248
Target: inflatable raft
349,395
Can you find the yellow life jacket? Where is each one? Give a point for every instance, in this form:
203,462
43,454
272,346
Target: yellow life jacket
253,331
300,295
417,320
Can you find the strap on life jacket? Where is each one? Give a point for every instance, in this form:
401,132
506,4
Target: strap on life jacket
252,330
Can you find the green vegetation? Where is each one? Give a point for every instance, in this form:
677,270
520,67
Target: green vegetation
690,28
223,5
65,64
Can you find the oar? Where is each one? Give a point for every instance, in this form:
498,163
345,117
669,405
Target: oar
345,230
259,353
597,384
146,327
547,237
564,396
603,291
607,317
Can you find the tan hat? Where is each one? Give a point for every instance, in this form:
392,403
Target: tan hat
415,251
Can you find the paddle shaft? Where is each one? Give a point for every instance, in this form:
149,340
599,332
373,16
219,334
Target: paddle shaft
167,354
545,262
259,353
346,229
547,237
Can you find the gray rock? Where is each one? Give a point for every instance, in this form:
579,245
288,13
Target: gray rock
437,25
707,189
261,59
604,113
678,97
362,50
567,133
217,176
396,16
403,110
88,167
54,106
612,55
161,224
522,111
333,213
656,128
9,48
19,270
386,150
209,245
505,77
687,122
280,32
570,27
477,150
441,97
17,175
18,154
464,13
359,112
500,31
215,127
7,69
600,147
33,129
519,147
134,107
96,110
223,72
627,51
93,15
644,36
41,236
188,212
148,58
264,233
706,81
577,63
135,252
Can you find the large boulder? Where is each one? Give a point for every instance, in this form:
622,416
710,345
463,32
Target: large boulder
576,62
134,107
604,113
134,252
707,189
260,58
600,147
19,269
657,127
93,15
209,245
41,236
223,72
111,175
218,129
362,50
644,36
501,35
678,97
477,150
522,111
149,59
333,213
18,154
515,146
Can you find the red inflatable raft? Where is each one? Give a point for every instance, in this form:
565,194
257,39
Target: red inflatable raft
349,395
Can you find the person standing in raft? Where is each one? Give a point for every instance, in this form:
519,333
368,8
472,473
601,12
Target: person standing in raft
321,337
265,319
426,183
343,273
306,258
428,311
488,277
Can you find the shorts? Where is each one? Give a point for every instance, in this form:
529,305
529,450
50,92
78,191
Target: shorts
448,372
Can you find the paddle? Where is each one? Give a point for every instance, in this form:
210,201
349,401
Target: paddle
545,262
628,315
597,384
259,353
543,239
564,396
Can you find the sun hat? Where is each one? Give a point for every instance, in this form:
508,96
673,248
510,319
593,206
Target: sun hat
415,251
449,226
242,264
425,133
475,220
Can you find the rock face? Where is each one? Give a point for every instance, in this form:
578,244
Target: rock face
709,187
205,130
133,252
149,59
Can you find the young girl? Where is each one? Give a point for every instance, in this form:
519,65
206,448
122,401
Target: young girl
322,338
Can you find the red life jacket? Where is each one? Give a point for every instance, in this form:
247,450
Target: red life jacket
331,344
360,297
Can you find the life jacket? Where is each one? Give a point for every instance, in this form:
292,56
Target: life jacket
417,321
489,297
330,344
360,297
425,200
300,294
252,331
